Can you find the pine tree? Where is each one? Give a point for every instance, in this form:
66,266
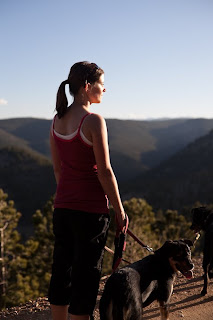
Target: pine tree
35,262
11,246
41,261
27,265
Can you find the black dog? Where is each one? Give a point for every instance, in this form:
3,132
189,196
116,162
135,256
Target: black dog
202,219
130,289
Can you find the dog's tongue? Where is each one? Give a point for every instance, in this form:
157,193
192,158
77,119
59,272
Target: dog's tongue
188,274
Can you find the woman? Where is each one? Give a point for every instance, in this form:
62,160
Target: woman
81,163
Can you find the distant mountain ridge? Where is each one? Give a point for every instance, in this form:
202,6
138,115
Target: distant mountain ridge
143,144
141,153
34,132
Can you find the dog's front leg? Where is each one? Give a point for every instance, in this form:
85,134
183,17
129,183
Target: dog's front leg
205,276
164,311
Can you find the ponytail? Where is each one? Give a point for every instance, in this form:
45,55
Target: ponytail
61,100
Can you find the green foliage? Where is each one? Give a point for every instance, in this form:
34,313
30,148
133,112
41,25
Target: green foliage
141,217
12,248
28,265
171,225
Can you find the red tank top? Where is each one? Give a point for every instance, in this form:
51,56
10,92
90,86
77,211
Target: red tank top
79,187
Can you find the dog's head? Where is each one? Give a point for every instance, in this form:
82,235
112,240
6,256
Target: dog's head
199,216
179,255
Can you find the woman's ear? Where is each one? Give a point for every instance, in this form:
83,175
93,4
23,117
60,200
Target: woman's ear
87,86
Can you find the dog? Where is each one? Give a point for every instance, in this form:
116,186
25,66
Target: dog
133,287
202,219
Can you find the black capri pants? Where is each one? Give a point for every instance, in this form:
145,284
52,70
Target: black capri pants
80,238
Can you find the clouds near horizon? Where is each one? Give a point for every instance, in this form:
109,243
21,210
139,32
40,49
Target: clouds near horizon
3,101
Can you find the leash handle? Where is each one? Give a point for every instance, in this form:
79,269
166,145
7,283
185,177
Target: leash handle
120,243
139,241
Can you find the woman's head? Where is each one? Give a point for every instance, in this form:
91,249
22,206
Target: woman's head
81,74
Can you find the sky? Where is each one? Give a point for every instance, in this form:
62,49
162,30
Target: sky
157,55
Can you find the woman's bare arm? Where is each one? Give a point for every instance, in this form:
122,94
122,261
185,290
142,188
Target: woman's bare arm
105,172
55,158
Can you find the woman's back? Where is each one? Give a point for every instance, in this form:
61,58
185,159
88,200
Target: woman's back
79,187
70,122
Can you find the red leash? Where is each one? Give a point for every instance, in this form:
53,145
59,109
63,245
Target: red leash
139,241
120,244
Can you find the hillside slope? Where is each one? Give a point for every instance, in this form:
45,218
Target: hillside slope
35,132
185,178
7,139
135,146
28,179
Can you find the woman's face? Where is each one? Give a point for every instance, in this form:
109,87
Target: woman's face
96,90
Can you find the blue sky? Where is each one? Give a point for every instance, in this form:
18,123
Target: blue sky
156,54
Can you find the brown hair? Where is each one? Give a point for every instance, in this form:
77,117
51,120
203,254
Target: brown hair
80,74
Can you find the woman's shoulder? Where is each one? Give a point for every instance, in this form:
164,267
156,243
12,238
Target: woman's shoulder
96,119
96,116
96,123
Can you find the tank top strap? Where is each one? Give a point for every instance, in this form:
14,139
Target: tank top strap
53,124
82,120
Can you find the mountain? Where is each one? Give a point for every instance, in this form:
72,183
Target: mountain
182,180
138,151
135,146
32,132
7,139
27,177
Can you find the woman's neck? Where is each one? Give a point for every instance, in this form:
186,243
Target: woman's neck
81,101
80,105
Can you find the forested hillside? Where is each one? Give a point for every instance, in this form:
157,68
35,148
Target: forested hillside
27,177
33,132
182,180
136,145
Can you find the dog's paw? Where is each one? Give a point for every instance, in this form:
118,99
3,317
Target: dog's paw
203,292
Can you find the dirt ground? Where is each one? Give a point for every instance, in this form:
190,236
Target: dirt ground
186,302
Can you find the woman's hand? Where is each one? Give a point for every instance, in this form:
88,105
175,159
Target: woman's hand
122,221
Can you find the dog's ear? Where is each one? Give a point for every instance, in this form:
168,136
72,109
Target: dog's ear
188,242
168,248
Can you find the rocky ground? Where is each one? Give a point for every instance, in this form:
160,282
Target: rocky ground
186,302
